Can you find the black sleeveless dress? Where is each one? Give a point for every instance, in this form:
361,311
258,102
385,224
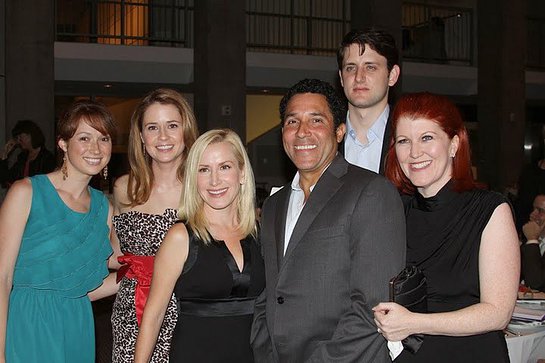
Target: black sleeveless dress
443,239
216,303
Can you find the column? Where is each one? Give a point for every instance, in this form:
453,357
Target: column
501,90
29,64
220,65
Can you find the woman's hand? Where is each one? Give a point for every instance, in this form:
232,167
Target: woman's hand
8,148
394,321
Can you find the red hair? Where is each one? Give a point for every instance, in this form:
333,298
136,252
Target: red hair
442,111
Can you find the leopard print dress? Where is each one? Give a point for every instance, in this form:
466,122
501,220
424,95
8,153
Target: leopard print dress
140,234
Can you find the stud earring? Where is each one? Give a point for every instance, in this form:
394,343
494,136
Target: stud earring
64,168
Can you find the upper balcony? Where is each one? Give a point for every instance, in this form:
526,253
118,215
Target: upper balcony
438,42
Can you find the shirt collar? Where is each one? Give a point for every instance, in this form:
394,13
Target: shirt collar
295,182
376,130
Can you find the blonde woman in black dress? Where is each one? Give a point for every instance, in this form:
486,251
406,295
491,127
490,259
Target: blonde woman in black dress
211,260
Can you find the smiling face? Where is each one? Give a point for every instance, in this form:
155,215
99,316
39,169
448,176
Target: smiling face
87,152
162,133
309,135
365,77
424,152
219,177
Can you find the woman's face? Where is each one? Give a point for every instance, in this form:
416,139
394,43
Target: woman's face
424,152
162,133
25,141
218,176
87,152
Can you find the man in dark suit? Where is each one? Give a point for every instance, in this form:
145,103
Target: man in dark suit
331,239
533,258
368,67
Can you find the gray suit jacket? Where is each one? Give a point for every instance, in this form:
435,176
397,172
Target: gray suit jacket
348,242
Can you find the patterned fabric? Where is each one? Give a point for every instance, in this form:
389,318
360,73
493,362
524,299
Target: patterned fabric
140,234
63,256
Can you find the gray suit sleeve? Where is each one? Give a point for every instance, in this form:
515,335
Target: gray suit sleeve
260,338
377,234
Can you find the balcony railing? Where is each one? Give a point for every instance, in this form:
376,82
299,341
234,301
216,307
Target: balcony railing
312,27
167,23
437,34
434,34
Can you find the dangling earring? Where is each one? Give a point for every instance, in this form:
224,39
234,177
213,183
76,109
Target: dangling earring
64,168
105,172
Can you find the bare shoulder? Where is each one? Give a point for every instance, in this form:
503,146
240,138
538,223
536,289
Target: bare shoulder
20,190
175,246
18,200
177,232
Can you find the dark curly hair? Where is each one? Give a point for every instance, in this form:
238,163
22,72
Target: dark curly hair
380,41
31,128
336,105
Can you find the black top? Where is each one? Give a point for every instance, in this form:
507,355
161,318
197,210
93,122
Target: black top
443,239
216,302
42,164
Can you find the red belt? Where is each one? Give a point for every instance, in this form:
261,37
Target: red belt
141,269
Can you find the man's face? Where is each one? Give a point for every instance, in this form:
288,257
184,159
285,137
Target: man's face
538,213
365,77
309,135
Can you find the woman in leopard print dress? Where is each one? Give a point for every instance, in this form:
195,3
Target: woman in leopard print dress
163,128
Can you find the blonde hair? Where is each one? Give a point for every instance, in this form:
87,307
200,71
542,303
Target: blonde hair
140,173
192,205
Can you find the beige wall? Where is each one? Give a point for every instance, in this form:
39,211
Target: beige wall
261,115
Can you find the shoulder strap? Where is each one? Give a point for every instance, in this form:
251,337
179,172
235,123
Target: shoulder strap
193,251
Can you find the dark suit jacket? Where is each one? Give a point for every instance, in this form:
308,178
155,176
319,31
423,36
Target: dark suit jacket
385,143
533,266
348,242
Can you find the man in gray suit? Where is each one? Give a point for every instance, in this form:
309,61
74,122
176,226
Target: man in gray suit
332,239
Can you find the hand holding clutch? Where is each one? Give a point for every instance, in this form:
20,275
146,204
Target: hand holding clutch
409,289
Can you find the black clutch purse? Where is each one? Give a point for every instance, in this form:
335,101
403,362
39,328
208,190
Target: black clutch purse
409,289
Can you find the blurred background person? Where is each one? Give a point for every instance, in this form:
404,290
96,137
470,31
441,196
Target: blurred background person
533,260
211,260
463,239
163,129
33,159
531,183
54,247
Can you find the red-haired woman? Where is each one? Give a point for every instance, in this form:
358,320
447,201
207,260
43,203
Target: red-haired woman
463,238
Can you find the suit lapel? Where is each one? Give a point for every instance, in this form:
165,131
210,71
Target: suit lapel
280,220
328,184
385,143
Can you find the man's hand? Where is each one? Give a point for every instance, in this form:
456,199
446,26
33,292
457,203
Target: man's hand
532,230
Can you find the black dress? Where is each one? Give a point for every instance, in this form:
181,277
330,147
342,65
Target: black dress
216,303
443,239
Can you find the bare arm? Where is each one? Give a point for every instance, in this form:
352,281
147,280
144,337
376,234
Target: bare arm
499,271
120,196
13,218
109,287
168,265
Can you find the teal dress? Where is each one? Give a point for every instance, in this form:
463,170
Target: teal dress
63,256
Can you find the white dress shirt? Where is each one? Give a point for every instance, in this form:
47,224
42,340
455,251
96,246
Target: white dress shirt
366,155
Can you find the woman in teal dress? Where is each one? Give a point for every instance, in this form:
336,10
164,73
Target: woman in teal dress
54,248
